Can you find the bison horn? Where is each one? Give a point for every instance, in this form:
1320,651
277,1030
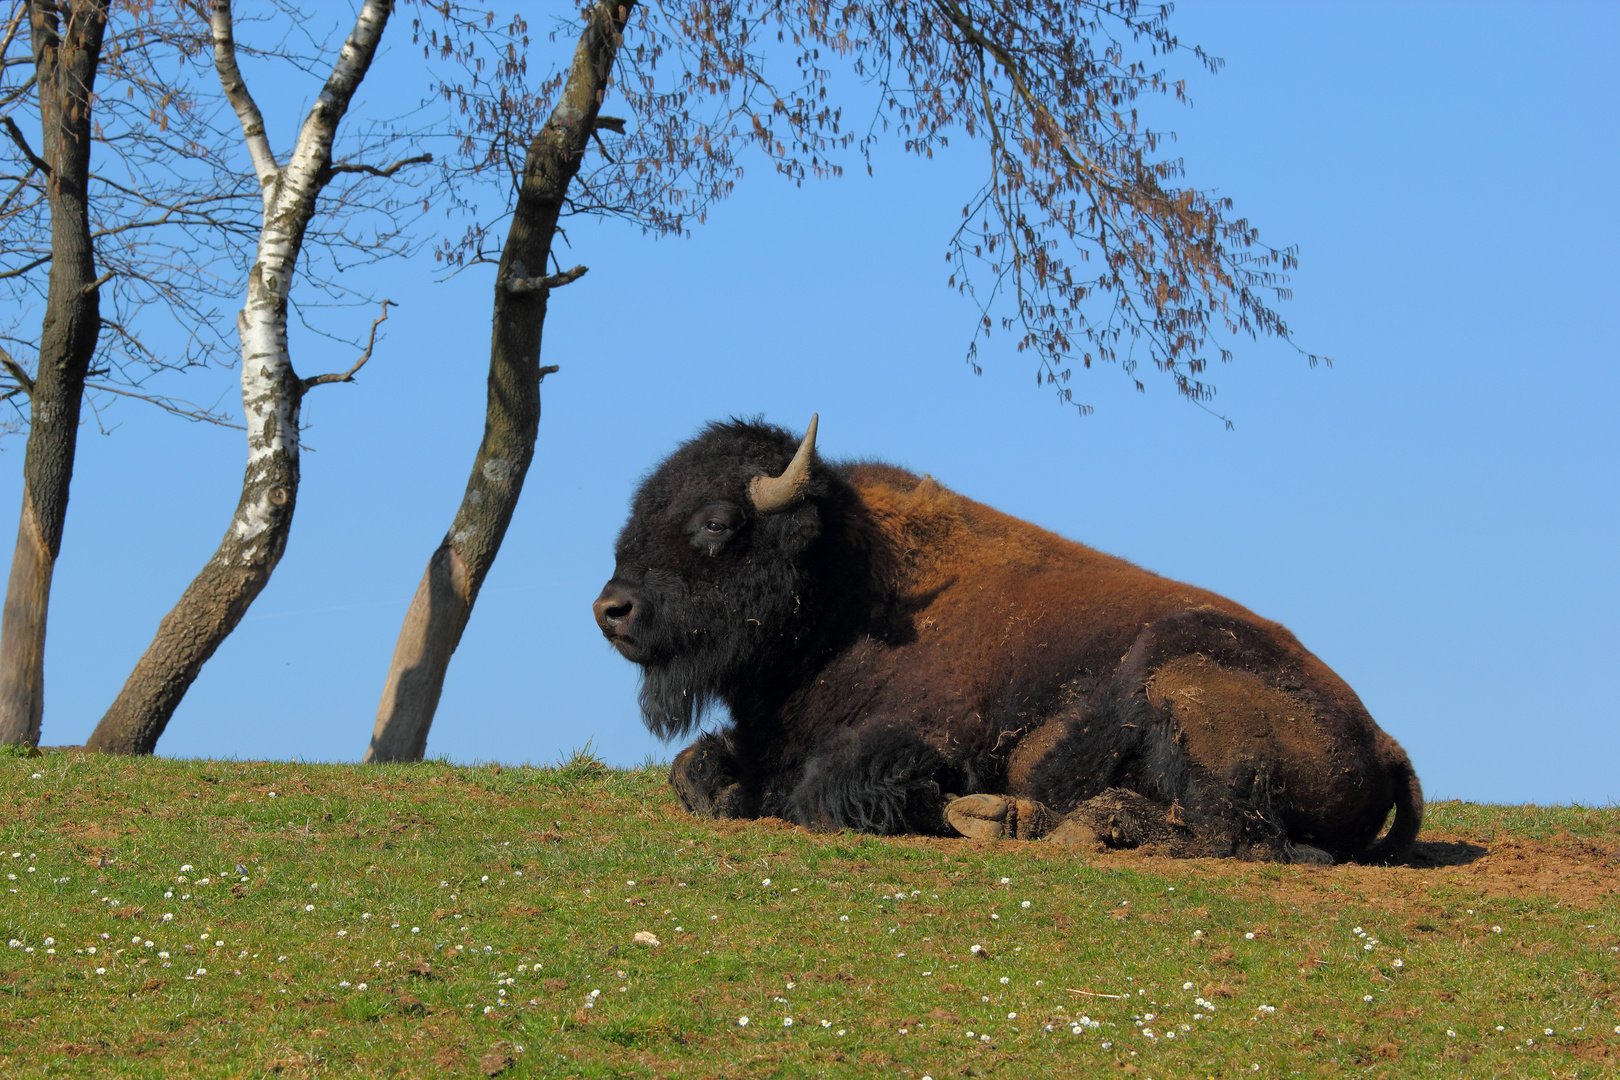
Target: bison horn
773,494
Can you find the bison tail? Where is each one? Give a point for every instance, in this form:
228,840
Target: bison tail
1395,843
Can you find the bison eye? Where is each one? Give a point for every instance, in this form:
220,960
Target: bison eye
711,526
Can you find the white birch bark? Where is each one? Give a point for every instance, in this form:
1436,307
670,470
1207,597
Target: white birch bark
272,392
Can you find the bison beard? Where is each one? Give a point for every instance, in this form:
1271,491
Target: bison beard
895,657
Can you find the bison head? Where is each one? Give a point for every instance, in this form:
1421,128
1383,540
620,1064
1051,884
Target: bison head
722,572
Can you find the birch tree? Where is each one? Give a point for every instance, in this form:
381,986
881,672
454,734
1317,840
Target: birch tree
118,226
272,390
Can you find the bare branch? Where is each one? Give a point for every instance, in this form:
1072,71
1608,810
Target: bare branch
312,153
21,270
516,283
22,144
372,170
236,92
16,371
348,376
99,282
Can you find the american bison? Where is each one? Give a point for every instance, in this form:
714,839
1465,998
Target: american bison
896,658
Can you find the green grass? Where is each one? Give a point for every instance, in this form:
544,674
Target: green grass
438,887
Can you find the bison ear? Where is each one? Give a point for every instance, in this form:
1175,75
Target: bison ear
807,520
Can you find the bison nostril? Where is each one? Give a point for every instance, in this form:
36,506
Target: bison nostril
614,608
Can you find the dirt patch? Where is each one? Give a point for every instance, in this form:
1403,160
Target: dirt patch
1565,868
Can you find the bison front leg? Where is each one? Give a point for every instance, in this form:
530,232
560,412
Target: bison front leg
879,778
704,777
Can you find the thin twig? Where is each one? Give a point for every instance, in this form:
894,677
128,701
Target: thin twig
192,411
1090,993
348,376
96,284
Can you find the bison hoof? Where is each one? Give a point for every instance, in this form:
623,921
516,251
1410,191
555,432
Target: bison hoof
1076,834
998,817
1306,855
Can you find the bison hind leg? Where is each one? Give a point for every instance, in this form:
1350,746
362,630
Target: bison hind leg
880,779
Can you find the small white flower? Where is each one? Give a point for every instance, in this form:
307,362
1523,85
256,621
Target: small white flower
993,915
1012,1016
1400,963
787,1021
765,881
1496,929
309,907
1006,881
416,929
1004,980
985,1037
219,944
1250,937
15,944
1198,933
1186,986
37,776
168,916
484,878
843,918
488,1009
101,971
164,955
344,984
1368,997
342,933
362,986
742,1021
1546,1031
1450,1034
202,971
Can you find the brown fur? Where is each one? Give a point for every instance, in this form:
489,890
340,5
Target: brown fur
1018,636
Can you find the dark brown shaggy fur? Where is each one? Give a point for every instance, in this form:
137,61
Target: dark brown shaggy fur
891,641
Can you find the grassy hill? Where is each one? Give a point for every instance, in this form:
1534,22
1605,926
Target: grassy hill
243,919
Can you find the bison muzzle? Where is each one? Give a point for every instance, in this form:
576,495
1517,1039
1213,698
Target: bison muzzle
895,658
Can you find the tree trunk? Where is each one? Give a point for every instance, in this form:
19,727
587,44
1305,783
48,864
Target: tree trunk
65,59
444,600
272,392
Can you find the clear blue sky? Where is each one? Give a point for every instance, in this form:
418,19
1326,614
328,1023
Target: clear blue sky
1435,516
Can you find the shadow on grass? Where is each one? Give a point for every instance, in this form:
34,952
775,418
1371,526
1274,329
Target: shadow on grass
1431,853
